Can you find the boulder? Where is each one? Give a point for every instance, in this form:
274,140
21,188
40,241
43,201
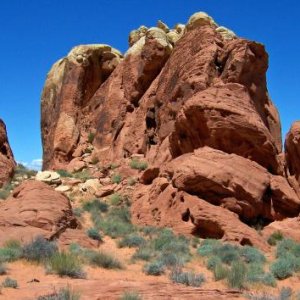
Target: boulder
199,19
49,177
35,209
7,162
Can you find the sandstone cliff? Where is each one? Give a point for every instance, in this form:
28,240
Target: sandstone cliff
193,102
7,162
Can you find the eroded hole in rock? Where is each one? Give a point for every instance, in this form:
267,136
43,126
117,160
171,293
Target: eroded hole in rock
186,216
246,242
257,223
3,150
208,229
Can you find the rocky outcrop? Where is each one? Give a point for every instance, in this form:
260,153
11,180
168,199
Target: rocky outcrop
35,209
193,102
292,155
7,162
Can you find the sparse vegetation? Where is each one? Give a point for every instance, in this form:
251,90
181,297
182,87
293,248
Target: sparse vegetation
131,296
5,191
187,278
138,165
275,237
103,260
116,178
64,173
115,199
91,137
131,181
131,241
95,205
63,294
155,268
39,250
10,283
82,175
65,264
237,276
94,234
11,251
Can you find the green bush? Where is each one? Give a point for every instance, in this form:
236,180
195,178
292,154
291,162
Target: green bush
252,255
275,237
170,259
11,251
5,191
103,260
131,296
64,173
187,278
65,264
227,253
155,268
77,211
131,181
269,279
237,275
285,246
95,205
143,253
91,137
131,241
62,294
212,262
94,234
82,175
116,178
283,268
207,247
10,283
39,249
115,199
138,165
220,271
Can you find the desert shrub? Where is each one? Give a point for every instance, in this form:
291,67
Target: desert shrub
275,237
10,283
103,260
82,175
116,178
285,293
284,246
212,262
91,137
94,234
115,199
227,253
39,249
138,165
237,275
269,279
65,264
155,268
11,251
96,219
187,278
3,269
149,230
255,272
5,191
76,249
283,268
63,294
220,271
95,205
94,160
143,253
195,242
131,181
252,255
207,247
170,259
131,241
77,211
64,173
131,296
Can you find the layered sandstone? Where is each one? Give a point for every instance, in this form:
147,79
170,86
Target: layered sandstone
7,162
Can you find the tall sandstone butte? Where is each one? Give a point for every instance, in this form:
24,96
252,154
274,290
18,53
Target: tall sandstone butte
193,101
7,162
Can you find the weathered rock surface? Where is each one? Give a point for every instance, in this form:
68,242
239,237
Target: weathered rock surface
7,162
193,102
35,209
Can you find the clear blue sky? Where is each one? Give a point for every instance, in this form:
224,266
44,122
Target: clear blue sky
35,33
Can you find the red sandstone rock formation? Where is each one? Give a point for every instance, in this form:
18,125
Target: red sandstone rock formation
35,209
193,102
7,162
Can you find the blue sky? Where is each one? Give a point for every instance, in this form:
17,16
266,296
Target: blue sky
35,33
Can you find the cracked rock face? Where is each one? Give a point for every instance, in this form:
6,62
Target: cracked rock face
192,101
7,162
